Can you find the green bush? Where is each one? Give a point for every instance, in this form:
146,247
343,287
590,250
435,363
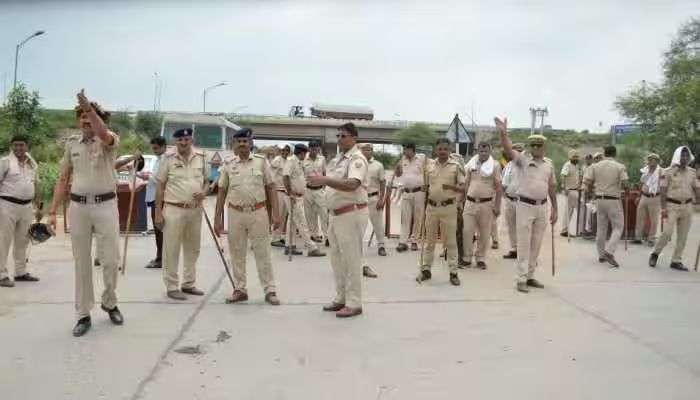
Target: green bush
388,160
48,176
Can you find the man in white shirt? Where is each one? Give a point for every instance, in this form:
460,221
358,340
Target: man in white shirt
375,186
158,146
649,201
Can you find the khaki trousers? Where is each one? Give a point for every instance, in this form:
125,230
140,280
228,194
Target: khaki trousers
680,217
182,230
376,217
412,205
571,208
444,218
278,233
478,217
253,226
510,206
609,212
298,222
648,207
345,234
85,220
14,227
316,212
531,221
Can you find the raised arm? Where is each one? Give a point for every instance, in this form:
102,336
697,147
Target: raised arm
506,143
98,126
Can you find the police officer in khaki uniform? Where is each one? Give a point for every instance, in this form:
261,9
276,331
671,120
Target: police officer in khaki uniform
246,184
315,196
182,187
347,206
536,181
295,184
88,162
483,203
649,205
410,171
509,184
18,180
607,179
445,190
376,186
277,166
571,181
678,183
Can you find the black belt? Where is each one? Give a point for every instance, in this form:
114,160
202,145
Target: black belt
572,190
97,199
416,189
606,198
441,203
479,200
372,194
314,187
530,201
649,195
674,201
512,198
15,200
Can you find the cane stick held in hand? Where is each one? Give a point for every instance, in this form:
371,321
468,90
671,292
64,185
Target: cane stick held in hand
554,267
218,247
132,196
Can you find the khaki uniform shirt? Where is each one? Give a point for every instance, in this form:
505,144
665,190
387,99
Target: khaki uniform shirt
92,163
412,172
245,180
295,172
277,165
534,176
482,186
349,165
509,180
607,177
375,175
449,173
571,176
183,177
680,183
316,167
18,180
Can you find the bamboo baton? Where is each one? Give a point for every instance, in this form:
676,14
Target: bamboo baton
132,196
218,247
697,257
554,268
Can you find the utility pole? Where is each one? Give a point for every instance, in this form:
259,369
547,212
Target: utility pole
537,112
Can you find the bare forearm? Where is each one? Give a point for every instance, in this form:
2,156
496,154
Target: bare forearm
220,200
343,185
507,145
59,190
274,207
553,197
382,189
160,189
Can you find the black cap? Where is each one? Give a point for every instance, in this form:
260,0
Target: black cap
187,132
409,146
243,133
300,148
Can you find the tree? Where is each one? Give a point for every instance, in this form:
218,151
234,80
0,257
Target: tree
419,134
148,123
22,116
121,122
669,112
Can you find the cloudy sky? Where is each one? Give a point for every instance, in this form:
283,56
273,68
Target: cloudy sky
415,60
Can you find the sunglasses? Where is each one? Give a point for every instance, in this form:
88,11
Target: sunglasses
535,145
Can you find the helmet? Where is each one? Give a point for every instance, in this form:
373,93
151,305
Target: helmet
39,233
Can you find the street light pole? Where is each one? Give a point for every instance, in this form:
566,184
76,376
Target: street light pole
35,34
204,95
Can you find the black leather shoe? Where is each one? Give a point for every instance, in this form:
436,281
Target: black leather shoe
424,275
637,241
481,264
678,266
414,246
381,252
82,326
494,245
611,260
454,280
511,255
114,315
277,243
653,259
534,283
155,263
295,252
401,247
26,278
328,244
602,259
97,262
461,264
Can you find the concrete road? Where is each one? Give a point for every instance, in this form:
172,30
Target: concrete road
592,333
